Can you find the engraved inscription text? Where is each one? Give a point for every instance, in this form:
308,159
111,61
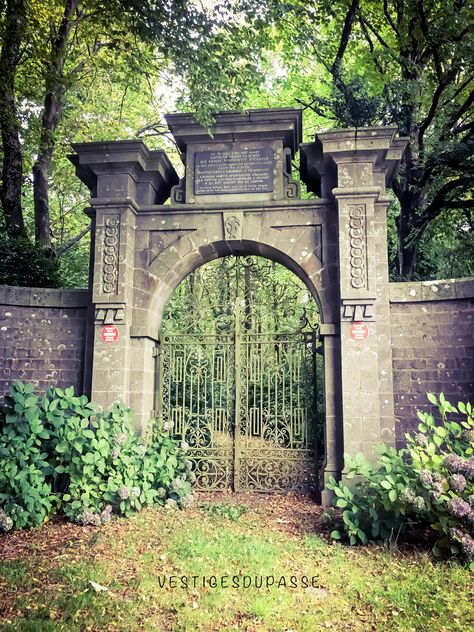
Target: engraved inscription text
238,171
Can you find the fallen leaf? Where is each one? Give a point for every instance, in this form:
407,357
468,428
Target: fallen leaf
98,587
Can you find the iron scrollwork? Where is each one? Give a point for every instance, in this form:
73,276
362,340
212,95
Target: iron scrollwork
241,326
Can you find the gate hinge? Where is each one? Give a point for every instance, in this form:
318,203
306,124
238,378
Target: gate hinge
156,352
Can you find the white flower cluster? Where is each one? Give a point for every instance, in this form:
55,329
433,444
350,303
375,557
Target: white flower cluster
124,493
95,519
176,484
187,502
121,438
6,523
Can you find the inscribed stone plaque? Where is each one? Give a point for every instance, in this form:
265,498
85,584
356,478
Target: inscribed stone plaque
236,171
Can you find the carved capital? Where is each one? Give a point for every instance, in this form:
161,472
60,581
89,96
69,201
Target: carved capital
109,315
357,309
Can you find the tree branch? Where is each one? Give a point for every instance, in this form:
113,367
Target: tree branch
389,18
439,201
345,36
460,204
460,111
365,32
458,91
445,81
73,241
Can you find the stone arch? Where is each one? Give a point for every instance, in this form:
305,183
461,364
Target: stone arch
183,265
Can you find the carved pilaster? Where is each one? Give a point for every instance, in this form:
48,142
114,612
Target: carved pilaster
110,261
358,246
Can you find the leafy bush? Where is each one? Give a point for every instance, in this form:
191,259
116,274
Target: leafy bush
59,452
26,264
428,484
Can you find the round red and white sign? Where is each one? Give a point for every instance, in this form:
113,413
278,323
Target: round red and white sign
359,331
109,333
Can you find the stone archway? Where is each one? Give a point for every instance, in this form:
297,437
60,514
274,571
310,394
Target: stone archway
240,376
238,197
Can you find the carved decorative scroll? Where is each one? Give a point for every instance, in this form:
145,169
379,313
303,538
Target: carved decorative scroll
232,225
358,246
291,188
110,270
178,192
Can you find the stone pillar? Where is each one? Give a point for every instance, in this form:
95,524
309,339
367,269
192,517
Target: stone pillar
354,166
333,462
112,296
365,160
123,177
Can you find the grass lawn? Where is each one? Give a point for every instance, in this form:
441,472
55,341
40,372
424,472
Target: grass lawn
46,575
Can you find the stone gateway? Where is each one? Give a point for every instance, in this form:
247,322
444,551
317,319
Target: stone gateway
238,197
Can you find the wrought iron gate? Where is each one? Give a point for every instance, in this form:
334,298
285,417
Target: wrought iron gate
243,398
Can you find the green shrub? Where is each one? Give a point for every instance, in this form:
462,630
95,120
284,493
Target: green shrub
232,512
26,264
26,495
59,452
428,484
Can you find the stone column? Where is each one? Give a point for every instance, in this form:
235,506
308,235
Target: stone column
333,462
364,160
123,176
112,296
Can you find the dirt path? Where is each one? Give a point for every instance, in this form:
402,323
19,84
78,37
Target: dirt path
292,513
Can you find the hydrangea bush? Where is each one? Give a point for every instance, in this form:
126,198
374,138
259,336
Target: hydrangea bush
59,452
428,484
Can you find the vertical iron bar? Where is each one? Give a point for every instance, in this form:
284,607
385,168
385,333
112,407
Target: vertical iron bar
158,403
237,343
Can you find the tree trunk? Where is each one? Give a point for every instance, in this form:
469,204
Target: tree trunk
407,248
412,198
41,171
12,169
53,106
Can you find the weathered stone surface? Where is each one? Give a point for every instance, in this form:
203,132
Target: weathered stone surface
42,337
433,346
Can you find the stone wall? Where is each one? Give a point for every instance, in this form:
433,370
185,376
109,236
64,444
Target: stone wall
42,337
43,340
432,328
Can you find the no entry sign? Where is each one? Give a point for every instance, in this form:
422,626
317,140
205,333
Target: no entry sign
109,333
359,331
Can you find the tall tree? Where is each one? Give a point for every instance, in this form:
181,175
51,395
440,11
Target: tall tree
403,62
12,34
57,43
